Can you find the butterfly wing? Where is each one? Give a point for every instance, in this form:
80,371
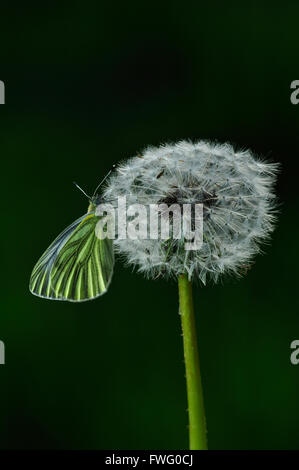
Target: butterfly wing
77,266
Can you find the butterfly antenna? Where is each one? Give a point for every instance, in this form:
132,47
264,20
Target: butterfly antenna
104,179
77,186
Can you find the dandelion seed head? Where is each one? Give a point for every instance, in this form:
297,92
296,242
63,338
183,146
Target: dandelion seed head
235,189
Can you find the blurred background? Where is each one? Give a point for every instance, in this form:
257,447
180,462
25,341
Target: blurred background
89,84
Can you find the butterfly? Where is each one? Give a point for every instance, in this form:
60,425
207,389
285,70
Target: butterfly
77,266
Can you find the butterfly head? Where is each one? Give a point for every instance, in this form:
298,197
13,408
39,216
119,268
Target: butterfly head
94,201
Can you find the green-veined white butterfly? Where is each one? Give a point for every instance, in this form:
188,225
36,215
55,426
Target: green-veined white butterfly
77,266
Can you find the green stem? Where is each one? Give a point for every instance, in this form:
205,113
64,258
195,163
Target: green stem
197,420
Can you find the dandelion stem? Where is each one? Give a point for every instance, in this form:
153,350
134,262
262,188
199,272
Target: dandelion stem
197,420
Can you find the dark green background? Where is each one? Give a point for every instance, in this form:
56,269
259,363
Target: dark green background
88,84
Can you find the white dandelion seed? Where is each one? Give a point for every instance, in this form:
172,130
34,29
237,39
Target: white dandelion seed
235,189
